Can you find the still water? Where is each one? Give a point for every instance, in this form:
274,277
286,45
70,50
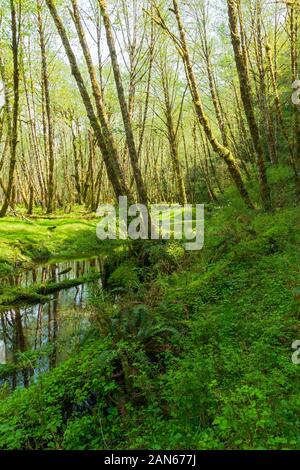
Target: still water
35,338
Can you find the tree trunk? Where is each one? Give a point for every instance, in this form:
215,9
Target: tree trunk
48,135
112,165
245,91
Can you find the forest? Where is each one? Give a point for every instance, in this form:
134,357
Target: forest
139,342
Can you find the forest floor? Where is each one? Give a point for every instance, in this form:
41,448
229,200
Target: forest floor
194,352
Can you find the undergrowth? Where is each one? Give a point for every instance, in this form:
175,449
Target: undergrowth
186,352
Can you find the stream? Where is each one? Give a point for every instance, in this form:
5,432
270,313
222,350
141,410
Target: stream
35,338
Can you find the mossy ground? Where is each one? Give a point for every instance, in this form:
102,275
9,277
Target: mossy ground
24,243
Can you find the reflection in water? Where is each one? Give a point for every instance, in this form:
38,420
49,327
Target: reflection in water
35,338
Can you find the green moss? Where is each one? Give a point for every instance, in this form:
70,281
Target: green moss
39,293
22,242
125,276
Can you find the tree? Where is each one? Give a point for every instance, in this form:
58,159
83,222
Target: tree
245,90
49,136
13,126
203,119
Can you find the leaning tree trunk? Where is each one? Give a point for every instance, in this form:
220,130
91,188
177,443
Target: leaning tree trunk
114,172
294,66
141,188
245,91
279,113
206,50
97,92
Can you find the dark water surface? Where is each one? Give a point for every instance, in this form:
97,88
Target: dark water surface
35,338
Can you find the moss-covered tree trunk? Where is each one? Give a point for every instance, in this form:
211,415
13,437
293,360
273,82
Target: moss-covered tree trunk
293,30
220,149
114,172
15,112
171,133
49,135
97,92
140,184
245,90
